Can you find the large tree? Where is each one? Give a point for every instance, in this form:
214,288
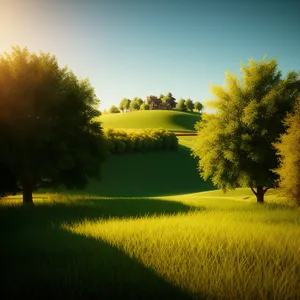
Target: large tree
234,145
289,150
47,132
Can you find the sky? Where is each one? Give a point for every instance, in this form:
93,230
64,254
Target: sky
130,48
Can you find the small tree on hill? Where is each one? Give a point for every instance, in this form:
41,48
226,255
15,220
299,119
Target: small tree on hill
124,104
134,105
289,150
181,105
47,132
198,106
144,106
189,104
113,110
234,145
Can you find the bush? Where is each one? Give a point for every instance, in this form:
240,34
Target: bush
140,141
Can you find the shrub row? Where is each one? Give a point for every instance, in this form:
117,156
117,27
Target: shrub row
140,141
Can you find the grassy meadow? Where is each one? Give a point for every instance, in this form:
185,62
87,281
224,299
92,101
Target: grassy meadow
151,228
167,119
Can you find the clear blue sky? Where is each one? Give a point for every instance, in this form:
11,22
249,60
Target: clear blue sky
131,48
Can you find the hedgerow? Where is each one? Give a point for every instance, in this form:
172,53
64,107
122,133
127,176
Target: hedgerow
140,141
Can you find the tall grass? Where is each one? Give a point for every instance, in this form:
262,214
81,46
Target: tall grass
240,251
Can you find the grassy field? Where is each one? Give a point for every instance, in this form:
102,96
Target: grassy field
116,240
171,120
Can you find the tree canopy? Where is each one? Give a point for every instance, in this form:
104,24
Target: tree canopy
181,105
113,110
47,132
198,106
289,151
189,104
234,145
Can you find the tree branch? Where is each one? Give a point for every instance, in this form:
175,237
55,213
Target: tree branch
252,189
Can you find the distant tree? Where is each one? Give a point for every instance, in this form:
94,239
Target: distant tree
134,105
144,106
234,145
169,99
124,104
289,150
189,104
198,106
181,105
113,110
127,104
47,133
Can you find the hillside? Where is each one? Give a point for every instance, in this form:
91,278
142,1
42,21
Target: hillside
158,173
167,119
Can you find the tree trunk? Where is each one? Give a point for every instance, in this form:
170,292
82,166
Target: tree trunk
27,193
260,193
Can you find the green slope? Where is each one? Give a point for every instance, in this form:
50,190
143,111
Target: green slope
171,120
158,173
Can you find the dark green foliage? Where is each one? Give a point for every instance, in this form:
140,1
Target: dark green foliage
234,145
140,141
144,106
198,106
47,132
113,110
189,104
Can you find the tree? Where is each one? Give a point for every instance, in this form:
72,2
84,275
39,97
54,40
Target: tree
144,106
181,105
47,133
124,104
127,104
234,145
169,99
113,110
189,104
198,106
289,150
134,105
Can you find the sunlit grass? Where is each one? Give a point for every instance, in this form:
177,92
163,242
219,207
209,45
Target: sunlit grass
167,119
232,249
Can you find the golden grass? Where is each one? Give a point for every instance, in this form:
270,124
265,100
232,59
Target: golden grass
227,248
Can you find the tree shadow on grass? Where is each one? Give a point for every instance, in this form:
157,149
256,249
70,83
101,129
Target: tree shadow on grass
154,174
41,260
186,120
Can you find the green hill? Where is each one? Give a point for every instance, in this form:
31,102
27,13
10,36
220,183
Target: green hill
158,173
167,119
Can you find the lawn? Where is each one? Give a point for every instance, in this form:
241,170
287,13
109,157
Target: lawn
130,237
167,119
